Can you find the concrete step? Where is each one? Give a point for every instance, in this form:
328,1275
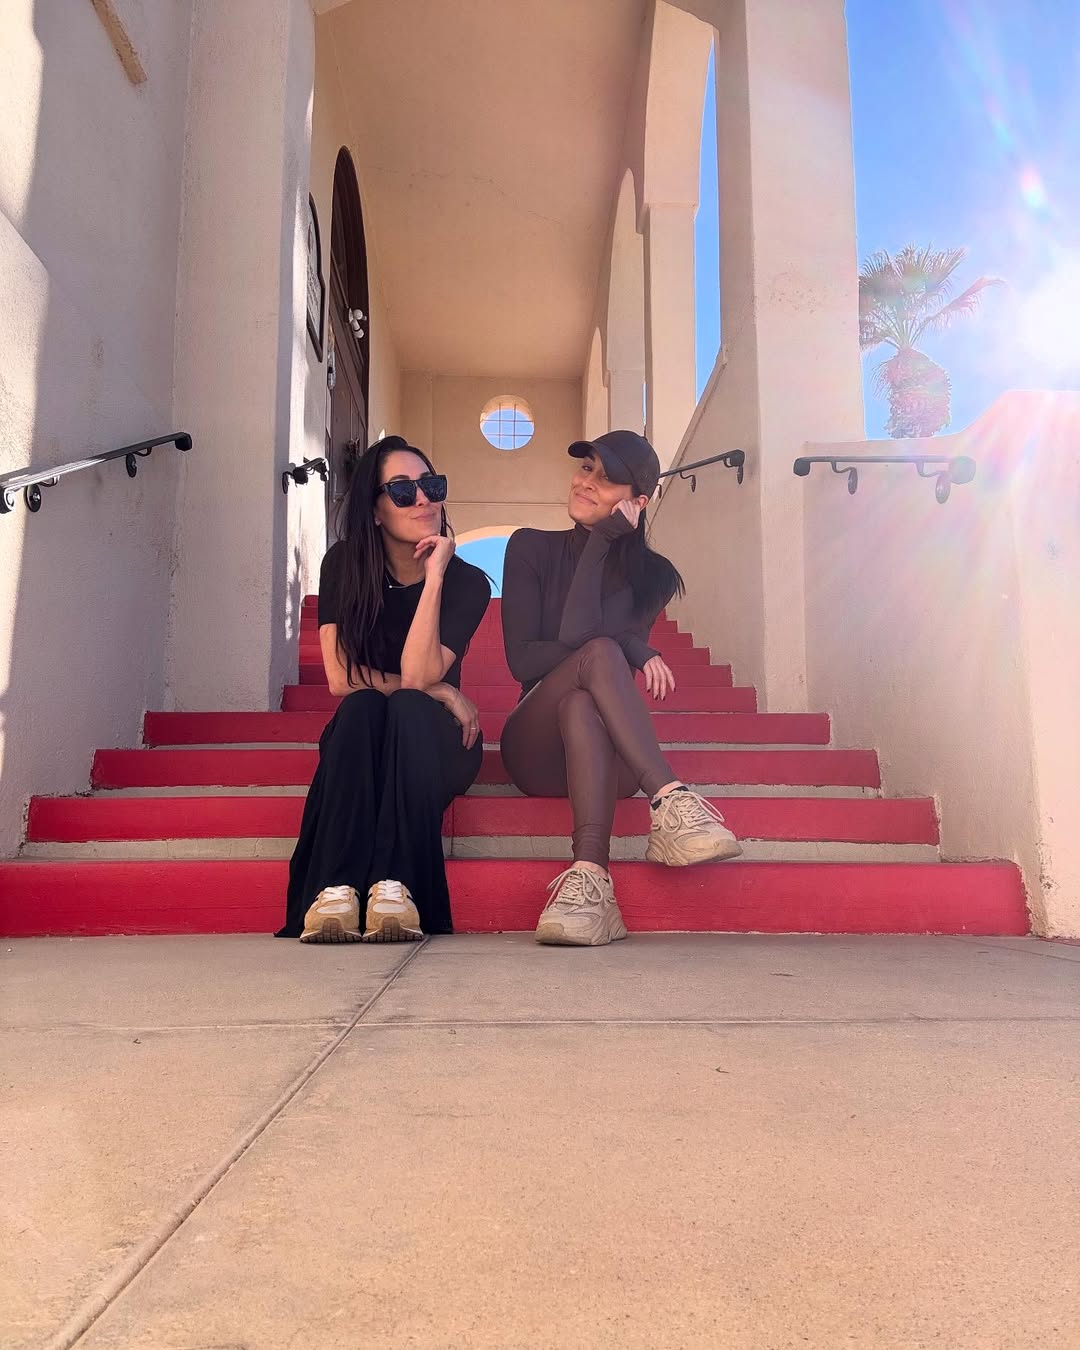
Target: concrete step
489,667
79,897
303,728
490,627
676,654
255,768
500,699
499,819
626,848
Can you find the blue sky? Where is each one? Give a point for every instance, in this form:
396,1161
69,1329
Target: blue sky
966,119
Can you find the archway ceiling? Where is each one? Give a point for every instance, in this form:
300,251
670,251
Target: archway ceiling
488,137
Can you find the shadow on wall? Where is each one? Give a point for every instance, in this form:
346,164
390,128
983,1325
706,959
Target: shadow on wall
88,249
486,549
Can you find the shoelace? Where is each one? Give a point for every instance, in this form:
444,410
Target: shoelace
689,809
576,888
336,895
390,890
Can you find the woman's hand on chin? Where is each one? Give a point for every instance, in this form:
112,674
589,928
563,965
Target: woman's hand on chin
436,551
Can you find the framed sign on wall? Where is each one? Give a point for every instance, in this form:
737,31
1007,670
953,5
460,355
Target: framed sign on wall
316,286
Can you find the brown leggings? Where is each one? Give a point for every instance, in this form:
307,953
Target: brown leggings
584,732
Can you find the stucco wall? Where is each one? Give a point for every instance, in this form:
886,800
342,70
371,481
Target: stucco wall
490,487
89,211
713,535
948,636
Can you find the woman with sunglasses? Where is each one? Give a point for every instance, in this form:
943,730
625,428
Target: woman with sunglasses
396,612
577,608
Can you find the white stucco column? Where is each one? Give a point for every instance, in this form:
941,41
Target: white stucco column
669,324
788,278
626,401
240,346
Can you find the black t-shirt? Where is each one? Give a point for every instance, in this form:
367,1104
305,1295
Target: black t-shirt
465,595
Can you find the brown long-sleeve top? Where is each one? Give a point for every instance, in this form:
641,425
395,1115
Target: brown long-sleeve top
559,590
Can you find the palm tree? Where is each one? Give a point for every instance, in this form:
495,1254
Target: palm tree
900,299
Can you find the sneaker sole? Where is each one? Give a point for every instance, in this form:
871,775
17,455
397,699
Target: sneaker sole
331,930
391,929
554,935
656,853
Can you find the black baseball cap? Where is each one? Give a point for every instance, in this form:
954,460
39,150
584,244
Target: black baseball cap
626,457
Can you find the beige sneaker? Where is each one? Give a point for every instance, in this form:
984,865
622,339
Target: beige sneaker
391,914
334,917
581,912
686,829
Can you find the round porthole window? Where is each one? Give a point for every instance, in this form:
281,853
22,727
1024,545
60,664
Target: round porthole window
507,422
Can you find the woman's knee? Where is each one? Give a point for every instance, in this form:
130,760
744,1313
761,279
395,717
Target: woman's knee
576,710
603,656
413,708
362,705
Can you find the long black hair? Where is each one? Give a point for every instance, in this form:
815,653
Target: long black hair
363,570
653,579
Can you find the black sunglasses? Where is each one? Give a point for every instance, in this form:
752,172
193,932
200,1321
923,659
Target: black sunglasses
402,491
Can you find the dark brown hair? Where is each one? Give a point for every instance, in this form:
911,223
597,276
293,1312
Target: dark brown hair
363,572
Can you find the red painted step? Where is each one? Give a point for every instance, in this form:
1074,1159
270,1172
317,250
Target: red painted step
674,652
496,671
286,767
203,768
89,898
205,728
501,698
873,820
810,819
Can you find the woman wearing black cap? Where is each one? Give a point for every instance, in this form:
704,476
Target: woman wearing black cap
396,612
577,609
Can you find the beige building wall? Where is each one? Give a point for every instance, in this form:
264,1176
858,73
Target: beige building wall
788,287
492,488
948,636
89,214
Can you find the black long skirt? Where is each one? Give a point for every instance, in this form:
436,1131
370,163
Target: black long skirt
389,765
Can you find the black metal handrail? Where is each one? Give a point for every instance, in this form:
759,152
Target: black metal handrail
300,473
30,481
731,459
957,468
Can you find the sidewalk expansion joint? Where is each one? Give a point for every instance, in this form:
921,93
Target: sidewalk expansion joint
126,1272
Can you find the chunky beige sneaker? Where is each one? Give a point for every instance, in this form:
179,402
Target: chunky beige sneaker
334,917
391,914
686,829
581,912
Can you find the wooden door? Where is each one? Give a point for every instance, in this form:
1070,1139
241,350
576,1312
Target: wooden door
349,338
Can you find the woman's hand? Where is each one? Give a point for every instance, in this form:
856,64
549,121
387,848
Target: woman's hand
659,679
462,709
631,509
439,549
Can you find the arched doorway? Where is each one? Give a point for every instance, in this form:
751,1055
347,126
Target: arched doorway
350,334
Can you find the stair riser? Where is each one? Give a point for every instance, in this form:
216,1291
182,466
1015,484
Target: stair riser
490,629
493,654
305,728
489,667
271,768
500,699
38,899
77,819
623,849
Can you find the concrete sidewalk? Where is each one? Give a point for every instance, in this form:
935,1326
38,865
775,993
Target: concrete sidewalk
732,1142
